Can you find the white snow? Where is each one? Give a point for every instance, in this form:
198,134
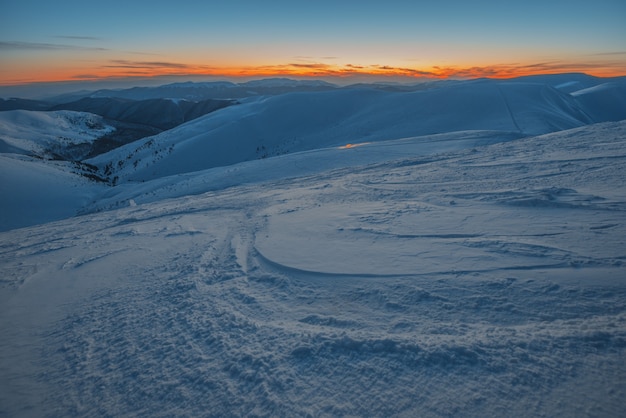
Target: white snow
35,193
46,133
436,267
604,102
265,127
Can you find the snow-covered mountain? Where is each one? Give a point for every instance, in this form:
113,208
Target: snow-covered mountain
90,126
287,82
23,104
162,114
61,135
604,102
456,250
270,126
199,91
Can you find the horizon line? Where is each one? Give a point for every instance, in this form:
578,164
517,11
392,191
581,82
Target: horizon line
357,77
116,69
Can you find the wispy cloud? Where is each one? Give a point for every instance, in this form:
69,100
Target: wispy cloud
145,64
510,70
315,66
36,46
130,68
506,70
122,67
86,77
116,68
411,72
602,54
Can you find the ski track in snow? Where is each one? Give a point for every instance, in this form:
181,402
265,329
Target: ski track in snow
483,282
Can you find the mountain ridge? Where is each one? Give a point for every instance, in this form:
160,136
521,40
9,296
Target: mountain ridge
268,126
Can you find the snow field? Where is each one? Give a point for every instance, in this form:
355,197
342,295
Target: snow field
34,192
45,133
486,281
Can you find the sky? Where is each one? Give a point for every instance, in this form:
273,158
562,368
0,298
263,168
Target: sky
65,40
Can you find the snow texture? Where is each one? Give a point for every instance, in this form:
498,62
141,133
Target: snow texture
469,272
50,134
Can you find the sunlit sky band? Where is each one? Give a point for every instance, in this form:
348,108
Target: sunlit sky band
393,40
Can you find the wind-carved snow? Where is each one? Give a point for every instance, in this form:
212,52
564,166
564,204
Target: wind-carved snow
476,281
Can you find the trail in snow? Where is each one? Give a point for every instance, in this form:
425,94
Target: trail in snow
477,282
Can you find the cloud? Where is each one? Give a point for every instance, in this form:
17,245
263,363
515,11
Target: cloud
86,77
601,54
316,66
510,70
35,46
405,71
145,64
376,72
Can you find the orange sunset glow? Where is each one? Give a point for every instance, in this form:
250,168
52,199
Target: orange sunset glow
318,70
41,42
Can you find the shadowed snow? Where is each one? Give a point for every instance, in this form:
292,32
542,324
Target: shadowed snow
341,253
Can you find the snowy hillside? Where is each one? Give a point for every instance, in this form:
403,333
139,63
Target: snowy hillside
266,127
604,102
451,250
157,113
480,279
60,134
35,192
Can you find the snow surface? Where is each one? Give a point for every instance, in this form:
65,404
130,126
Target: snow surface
35,193
604,102
46,134
265,127
432,268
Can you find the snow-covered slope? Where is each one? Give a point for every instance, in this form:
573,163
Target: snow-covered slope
293,165
478,282
567,82
604,102
35,192
264,127
61,134
158,113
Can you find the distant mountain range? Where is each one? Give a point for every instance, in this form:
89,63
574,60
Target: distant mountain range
266,118
264,127
204,90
